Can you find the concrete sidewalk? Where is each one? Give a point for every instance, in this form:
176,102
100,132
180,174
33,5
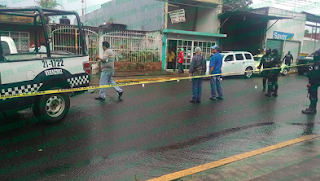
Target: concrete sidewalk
138,75
300,161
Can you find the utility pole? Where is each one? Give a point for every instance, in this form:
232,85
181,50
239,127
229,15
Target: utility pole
166,15
82,1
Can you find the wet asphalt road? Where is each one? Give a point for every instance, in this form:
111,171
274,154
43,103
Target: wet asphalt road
153,131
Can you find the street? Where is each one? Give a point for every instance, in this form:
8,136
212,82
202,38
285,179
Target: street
153,130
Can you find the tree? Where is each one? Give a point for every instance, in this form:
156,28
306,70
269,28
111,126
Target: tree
50,4
232,5
306,31
2,6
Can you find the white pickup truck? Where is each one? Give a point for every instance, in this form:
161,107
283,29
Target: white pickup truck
39,71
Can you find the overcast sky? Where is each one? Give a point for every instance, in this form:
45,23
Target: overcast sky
76,5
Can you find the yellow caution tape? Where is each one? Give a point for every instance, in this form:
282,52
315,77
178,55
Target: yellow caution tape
134,82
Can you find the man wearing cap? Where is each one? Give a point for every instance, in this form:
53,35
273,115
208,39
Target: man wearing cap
180,60
314,83
215,68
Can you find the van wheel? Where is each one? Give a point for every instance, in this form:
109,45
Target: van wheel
52,108
249,72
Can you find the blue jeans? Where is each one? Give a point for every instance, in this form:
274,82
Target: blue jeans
106,78
215,83
196,89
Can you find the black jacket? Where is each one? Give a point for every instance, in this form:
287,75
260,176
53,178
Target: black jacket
314,73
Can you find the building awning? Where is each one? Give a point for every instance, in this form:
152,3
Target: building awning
195,33
200,3
311,17
252,13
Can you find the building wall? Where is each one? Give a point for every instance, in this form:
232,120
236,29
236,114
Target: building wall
208,20
309,46
197,19
189,25
295,25
143,15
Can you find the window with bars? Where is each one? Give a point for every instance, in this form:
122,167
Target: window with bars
21,39
189,47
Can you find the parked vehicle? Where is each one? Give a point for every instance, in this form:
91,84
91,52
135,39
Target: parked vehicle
236,63
304,63
257,59
38,71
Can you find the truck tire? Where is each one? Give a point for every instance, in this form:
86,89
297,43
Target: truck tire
300,72
285,72
52,108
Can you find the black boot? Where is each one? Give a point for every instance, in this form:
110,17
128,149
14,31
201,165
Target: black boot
275,94
309,111
312,108
269,91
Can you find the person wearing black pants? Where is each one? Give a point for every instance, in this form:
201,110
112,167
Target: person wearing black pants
265,59
314,83
274,64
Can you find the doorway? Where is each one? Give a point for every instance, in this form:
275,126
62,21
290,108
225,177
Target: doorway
172,55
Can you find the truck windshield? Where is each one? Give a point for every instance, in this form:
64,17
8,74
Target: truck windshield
256,58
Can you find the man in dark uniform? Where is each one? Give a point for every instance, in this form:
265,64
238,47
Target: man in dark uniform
288,59
265,58
314,83
274,64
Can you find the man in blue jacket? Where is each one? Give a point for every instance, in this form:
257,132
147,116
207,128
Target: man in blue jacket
215,68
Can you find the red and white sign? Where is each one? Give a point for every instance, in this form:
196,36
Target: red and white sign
178,16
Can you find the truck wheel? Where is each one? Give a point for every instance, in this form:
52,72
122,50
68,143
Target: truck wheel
249,72
52,108
300,72
285,72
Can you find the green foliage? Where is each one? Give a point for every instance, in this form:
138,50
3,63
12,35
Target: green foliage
3,6
50,4
306,31
237,4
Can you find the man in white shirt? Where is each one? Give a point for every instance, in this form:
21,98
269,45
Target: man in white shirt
107,71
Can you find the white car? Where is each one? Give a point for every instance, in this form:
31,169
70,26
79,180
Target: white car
236,63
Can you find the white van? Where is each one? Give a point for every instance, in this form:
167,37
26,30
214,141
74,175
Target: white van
236,63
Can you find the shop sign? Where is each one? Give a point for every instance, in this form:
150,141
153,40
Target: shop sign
282,36
178,16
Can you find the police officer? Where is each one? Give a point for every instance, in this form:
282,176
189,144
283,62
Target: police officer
314,83
288,58
274,71
265,58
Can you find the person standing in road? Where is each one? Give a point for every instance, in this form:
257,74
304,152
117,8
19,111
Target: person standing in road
180,60
198,67
274,64
215,68
314,83
107,71
265,58
288,59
